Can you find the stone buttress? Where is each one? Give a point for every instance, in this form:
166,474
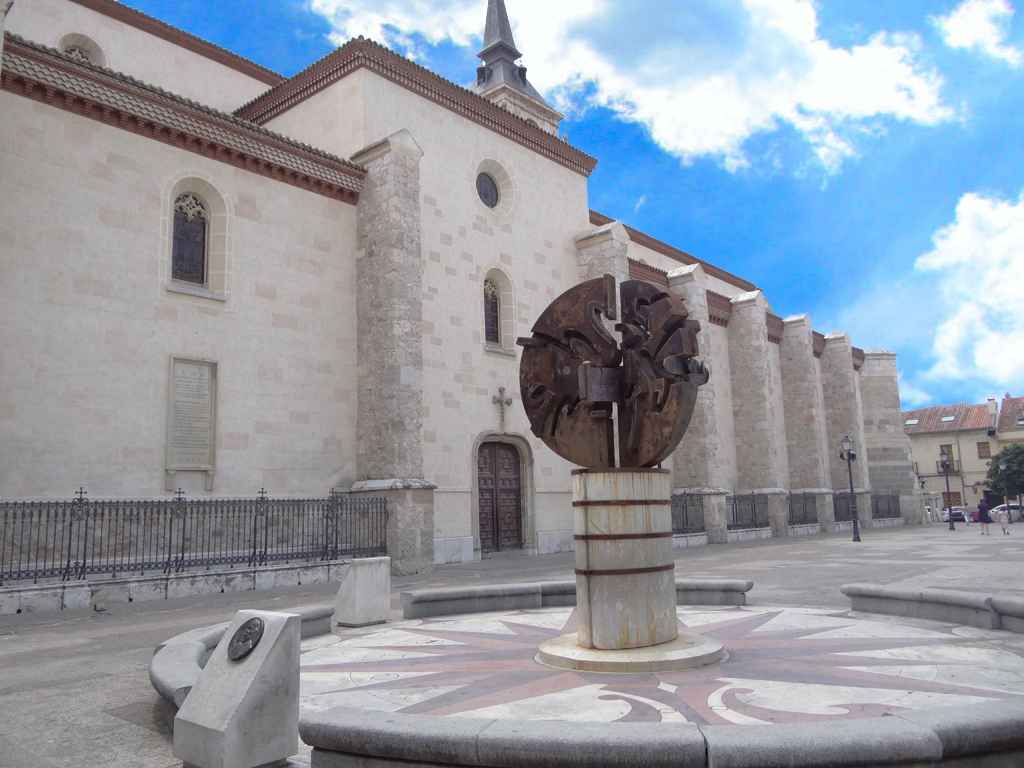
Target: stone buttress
389,276
806,430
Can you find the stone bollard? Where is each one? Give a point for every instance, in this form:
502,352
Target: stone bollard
364,595
625,572
243,710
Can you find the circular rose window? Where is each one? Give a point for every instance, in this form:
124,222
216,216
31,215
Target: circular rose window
487,188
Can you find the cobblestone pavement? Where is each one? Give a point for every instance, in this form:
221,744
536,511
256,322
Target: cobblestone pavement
74,689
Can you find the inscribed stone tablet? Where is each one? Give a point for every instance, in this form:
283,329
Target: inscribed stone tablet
191,427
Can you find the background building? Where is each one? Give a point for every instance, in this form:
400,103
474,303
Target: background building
972,435
219,279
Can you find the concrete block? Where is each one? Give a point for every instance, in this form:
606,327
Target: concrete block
175,669
364,595
264,579
712,591
968,608
107,593
558,594
243,714
391,736
10,601
547,744
239,581
873,741
444,602
314,574
153,588
76,597
42,599
979,730
316,620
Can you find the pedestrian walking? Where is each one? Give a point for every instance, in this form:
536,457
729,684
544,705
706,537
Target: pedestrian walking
984,517
1003,515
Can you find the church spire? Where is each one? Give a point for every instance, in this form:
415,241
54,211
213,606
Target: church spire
498,31
504,82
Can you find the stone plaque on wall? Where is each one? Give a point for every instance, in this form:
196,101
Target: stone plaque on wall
191,419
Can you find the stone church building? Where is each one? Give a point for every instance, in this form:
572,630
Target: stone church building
219,279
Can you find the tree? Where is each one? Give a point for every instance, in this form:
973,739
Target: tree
1008,482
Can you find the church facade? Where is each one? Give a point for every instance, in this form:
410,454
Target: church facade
219,279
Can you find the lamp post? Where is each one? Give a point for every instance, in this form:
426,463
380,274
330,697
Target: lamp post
1006,490
927,508
945,461
849,455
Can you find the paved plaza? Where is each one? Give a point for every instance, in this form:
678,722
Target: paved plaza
74,689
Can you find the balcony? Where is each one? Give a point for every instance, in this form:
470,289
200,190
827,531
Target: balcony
954,467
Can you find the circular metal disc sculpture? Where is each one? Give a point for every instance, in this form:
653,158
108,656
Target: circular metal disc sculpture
574,374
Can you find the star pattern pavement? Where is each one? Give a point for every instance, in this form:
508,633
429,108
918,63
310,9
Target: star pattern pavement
784,665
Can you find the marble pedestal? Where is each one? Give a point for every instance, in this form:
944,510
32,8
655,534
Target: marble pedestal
625,579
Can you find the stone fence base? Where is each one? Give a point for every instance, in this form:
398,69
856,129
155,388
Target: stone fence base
97,595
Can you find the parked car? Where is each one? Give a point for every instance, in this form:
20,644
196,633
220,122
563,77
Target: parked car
960,514
1016,513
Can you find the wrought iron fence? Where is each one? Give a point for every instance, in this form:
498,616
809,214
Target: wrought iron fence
85,537
845,506
803,508
687,513
885,506
748,510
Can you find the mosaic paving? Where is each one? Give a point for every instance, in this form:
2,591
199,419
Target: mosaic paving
785,665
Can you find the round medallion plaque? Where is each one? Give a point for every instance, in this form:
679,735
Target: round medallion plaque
487,188
245,639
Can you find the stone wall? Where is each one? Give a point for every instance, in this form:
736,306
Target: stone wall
91,323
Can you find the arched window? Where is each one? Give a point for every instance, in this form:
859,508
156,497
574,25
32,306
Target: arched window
499,303
189,249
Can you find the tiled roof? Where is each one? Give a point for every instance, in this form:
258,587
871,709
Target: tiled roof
958,418
157,28
362,53
50,76
1010,412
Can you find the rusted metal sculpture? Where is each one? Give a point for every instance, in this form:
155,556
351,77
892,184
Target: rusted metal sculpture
574,374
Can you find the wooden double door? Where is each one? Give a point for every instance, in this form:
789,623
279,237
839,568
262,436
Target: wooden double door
500,502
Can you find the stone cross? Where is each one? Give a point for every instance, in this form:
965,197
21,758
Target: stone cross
502,402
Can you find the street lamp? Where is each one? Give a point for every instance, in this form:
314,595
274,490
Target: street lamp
849,455
1003,466
945,461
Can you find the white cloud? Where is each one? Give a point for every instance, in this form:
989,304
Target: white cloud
703,78
911,395
981,25
978,264
640,203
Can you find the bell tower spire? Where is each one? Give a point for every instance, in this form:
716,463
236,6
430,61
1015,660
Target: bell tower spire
498,31
504,82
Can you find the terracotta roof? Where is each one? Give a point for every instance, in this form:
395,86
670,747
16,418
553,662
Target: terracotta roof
640,238
50,76
1010,411
362,53
958,418
640,271
157,28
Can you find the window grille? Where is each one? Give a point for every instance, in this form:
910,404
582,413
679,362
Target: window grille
984,451
492,313
189,251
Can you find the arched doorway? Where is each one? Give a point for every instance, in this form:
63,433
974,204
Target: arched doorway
499,497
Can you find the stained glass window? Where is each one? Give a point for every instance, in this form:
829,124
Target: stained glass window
188,255
492,312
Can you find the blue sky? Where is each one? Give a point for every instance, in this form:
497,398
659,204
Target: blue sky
860,161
